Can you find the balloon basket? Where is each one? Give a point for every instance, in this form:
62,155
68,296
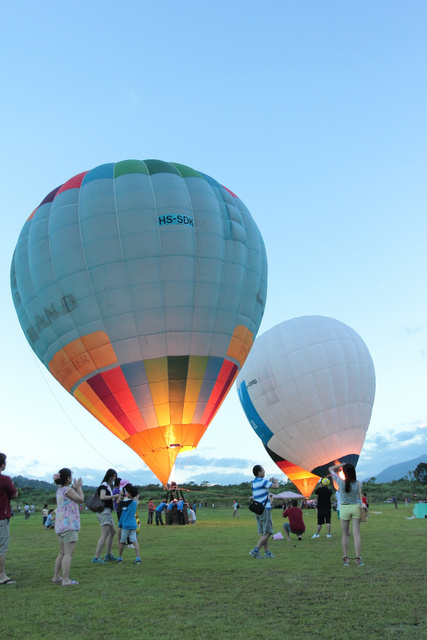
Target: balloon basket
173,515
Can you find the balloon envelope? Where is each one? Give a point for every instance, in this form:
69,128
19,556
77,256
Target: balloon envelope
141,286
307,389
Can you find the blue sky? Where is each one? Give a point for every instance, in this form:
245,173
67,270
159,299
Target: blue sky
313,113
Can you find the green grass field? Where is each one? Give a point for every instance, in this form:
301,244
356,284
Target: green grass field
200,582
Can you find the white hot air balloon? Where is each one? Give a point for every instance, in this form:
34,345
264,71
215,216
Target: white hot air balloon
307,388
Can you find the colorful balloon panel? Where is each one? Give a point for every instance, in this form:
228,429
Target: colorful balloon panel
303,479
307,389
141,286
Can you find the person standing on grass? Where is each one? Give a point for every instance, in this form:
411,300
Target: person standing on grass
158,512
260,493
323,494
8,492
180,509
151,510
127,523
350,498
108,530
67,524
45,513
365,504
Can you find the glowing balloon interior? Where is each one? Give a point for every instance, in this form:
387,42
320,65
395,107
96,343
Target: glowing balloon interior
141,286
303,479
307,389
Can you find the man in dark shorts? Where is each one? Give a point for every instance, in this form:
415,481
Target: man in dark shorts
323,508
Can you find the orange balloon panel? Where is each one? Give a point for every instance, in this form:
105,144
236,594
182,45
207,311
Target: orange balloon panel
303,479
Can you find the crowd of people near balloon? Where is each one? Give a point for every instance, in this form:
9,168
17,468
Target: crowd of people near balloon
351,506
118,514
118,497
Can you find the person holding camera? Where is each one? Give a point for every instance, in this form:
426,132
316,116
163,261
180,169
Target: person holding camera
350,494
260,493
69,496
108,530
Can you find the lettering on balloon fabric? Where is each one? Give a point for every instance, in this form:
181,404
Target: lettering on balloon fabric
82,358
175,219
52,312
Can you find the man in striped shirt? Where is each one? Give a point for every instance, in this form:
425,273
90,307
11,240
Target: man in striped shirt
260,493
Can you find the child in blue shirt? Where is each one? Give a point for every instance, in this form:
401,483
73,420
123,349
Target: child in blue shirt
127,521
50,520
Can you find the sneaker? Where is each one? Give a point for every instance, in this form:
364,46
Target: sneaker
329,535
256,554
299,537
316,535
130,546
268,554
359,562
345,561
119,560
110,558
137,561
97,561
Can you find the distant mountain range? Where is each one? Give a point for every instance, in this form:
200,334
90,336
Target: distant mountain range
398,471
21,481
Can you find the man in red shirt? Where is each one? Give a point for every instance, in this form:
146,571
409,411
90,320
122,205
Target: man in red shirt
296,523
151,510
7,493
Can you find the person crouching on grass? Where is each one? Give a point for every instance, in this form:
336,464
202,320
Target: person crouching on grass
296,523
127,522
260,493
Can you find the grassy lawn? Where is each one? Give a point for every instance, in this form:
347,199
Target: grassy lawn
200,582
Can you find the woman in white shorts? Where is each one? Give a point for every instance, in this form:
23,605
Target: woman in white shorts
350,499
67,524
108,530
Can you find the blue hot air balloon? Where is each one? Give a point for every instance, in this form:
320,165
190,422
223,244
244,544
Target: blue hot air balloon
141,286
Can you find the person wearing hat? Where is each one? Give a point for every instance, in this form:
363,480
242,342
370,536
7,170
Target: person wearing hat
324,494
